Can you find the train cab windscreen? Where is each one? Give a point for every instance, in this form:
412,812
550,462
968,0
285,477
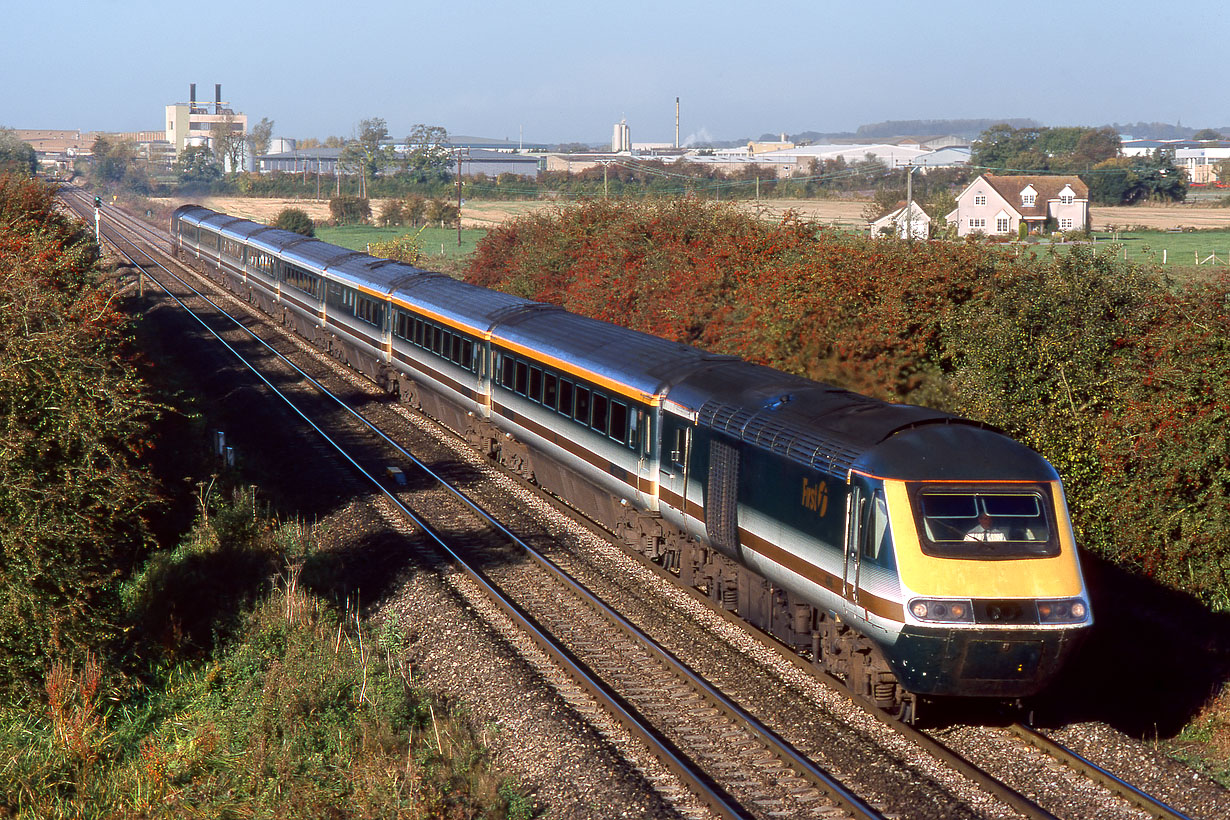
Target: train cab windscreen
986,524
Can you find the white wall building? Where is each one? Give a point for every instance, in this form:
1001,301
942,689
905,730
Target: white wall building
193,123
621,138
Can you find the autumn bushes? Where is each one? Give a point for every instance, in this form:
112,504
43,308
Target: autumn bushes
823,303
1120,378
72,422
205,678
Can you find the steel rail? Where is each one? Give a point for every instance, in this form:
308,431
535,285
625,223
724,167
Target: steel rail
705,789
1096,773
934,747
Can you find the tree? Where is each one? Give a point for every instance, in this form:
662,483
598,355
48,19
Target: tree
1132,180
1222,169
366,154
999,146
430,148
350,210
196,167
261,136
390,213
227,143
442,211
1095,146
1044,149
72,418
296,220
16,155
1206,134
113,166
886,199
413,207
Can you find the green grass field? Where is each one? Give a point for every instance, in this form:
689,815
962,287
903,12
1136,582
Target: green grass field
1181,249
435,242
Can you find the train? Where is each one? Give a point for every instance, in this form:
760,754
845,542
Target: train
912,553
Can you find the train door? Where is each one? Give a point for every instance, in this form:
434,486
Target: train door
866,538
855,502
861,503
674,460
642,426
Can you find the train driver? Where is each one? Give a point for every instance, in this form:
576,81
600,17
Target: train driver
985,530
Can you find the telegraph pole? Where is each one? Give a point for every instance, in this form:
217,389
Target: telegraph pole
910,168
458,197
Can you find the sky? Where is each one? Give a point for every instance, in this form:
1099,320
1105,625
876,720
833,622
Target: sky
553,71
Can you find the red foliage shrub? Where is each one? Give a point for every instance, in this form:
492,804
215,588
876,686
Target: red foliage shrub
858,312
1122,382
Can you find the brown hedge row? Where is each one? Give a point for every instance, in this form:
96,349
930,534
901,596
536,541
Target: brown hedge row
1116,375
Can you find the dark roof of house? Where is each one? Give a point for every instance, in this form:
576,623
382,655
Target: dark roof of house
1047,188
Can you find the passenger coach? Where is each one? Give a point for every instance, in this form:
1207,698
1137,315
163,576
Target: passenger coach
910,551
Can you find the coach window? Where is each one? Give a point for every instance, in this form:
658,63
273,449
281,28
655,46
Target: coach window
599,419
536,383
506,371
550,393
565,397
876,536
580,410
619,422
522,377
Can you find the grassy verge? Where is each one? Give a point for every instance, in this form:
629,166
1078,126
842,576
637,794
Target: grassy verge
1197,250
287,706
1204,744
435,242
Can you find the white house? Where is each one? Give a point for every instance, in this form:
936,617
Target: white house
907,221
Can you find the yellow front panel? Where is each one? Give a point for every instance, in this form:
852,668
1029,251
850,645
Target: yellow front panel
1057,577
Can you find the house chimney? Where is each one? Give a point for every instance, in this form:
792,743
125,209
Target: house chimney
217,98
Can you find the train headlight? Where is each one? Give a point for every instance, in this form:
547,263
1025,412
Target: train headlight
942,611
1069,611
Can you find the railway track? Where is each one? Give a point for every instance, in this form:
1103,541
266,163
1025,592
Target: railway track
713,696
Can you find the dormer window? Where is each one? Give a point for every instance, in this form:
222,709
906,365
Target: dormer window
1066,197
1028,196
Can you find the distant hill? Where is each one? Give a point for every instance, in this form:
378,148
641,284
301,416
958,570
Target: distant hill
1161,130
960,128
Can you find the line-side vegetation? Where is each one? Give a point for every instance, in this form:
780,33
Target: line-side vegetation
204,678
1117,374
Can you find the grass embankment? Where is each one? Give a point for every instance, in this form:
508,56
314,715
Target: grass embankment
299,710
1205,251
434,242
212,677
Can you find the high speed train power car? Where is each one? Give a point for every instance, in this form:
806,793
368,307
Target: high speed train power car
911,552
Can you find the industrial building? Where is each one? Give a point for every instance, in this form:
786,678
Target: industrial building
193,123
